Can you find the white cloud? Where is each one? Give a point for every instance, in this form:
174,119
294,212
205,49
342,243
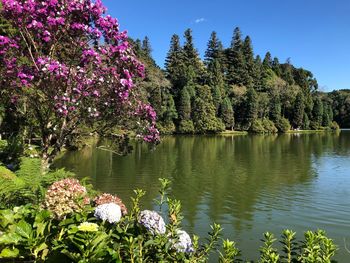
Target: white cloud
200,20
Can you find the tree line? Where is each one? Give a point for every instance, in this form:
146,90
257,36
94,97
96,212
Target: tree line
232,89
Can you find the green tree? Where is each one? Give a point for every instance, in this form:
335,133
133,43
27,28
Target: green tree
214,52
298,111
227,114
252,76
184,108
146,46
275,107
251,107
326,119
204,113
267,62
317,113
276,66
174,66
287,72
236,69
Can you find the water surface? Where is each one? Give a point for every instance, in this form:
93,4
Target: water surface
248,184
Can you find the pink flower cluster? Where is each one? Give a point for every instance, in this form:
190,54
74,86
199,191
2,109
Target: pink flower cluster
65,63
65,197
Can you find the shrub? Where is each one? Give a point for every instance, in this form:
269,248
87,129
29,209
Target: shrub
282,124
269,126
335,126
166,128
186,126
257,127
27,184
31,233
65,197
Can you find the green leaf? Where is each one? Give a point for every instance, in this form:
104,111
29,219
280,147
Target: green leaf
10,238
9,253
24,229
40,228
6,217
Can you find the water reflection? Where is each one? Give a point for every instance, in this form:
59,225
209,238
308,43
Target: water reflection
249,184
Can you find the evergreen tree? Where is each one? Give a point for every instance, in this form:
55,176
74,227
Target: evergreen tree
227,114
306,122
138,47
326,119
191,55
169,113
276,66
204,112
216,82
267,62
214,50
298,111
266,71
236,69
317,113
175,66
259,77
287,72
275,107
251,78
184,108
251,107
146,46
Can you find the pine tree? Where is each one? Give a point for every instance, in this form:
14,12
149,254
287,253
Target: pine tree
317,113
251,78
236,69
204,112
214,50
174,66
267,62
227,114
146,46
275,107
184,108
191,55
216,82
326,119
169,113
298,110
266,71
276,66
259,77
251,107
287,72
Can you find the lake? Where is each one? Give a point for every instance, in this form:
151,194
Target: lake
249,184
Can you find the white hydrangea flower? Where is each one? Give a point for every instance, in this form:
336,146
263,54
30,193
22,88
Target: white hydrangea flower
152,221
183,243
108,212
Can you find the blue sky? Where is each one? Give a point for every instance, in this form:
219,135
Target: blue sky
315,34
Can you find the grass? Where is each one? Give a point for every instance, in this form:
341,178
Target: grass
230,132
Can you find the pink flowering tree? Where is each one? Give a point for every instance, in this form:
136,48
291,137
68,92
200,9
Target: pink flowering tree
70,64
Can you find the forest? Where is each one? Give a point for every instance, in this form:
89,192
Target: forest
233,89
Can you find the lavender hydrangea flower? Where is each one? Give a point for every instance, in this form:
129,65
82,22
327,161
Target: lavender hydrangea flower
184,242
108,212
152,221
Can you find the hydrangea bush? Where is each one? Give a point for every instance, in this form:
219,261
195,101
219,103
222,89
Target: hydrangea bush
70,63
65,197
152,221
106,198
30,233
108,212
